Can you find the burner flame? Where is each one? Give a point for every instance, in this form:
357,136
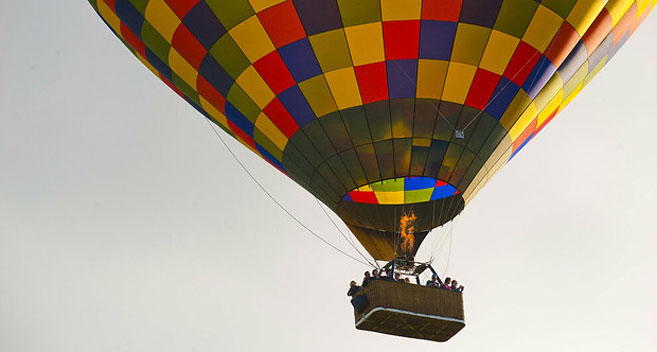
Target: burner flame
406,231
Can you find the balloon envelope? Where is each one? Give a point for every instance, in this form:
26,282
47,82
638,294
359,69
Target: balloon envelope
379,108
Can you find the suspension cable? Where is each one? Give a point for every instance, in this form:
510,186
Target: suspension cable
430,101
438,245
449,254
276,201
548,39
346,237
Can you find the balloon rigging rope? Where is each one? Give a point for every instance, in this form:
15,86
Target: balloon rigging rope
430,102
548,39
449,254
276,201
438,244
496,95
503,88
346,237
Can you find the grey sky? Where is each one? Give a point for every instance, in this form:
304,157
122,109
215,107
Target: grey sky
125,225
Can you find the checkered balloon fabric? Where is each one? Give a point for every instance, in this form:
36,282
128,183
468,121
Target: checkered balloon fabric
377,106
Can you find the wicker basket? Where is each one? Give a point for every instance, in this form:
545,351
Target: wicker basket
410,310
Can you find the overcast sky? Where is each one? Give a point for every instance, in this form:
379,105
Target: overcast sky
125,225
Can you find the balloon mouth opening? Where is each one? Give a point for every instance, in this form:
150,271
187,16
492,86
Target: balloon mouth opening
402,190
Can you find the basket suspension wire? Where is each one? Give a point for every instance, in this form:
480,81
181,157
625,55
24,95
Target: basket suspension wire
448,211
440,242
440,219
277,202
434,244
365,215
437,251
445,231
347,237
449,255
447,237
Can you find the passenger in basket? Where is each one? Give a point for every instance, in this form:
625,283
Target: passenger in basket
446,285
433,282
388,276
376,275
460,289
353,289
398,277
407,280
454,287
366,279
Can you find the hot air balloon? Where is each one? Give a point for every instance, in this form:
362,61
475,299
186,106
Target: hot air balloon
379,108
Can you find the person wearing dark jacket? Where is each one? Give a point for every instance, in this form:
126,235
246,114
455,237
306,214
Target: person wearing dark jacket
454,287
433,282
366,279
353,289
